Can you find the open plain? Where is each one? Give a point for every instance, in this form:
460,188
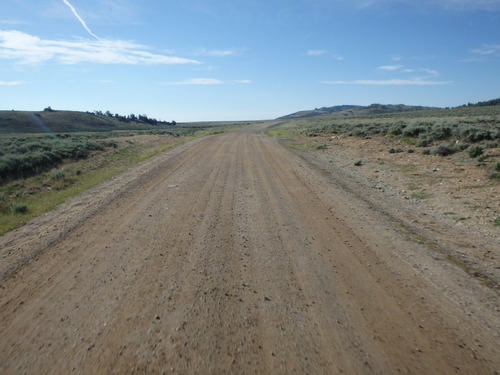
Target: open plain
232,254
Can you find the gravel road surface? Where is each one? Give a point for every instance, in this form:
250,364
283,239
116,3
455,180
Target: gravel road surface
232,255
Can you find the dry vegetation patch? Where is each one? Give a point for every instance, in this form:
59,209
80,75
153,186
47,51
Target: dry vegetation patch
455,186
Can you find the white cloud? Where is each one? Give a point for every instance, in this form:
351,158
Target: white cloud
460,5
430,71
243,81
492,5
197,81
219,53
487,50
390,67
399,68
29,49
390,82
12,22
10,83
316,52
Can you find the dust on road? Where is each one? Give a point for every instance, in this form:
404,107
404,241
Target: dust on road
231,255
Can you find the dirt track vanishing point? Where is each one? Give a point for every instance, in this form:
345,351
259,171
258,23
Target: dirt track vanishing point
232,255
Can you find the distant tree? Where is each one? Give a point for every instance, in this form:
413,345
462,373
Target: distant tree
48,109
108,113
173,123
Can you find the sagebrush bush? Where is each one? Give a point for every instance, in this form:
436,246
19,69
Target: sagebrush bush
394,150
414,131
57,174
423,142
4,206
24,157
19,208
443,150
475,151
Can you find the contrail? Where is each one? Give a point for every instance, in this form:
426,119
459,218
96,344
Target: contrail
80,19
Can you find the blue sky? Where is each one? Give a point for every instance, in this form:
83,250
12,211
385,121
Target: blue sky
190,60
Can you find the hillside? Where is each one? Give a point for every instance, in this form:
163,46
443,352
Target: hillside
355,110
71,121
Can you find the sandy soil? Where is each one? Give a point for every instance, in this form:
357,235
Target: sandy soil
231,254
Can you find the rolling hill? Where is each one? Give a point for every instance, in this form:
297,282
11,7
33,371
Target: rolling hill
355,110
71,121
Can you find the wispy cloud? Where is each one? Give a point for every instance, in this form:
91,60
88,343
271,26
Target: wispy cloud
197,81
390,67
484,53
11,83
217,52
29,49
316,52
80,19
456,5
464,5
390,82
487,50
12,22
208,81
399,69
323,52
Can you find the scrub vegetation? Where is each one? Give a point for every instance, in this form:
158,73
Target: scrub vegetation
473,129
451,130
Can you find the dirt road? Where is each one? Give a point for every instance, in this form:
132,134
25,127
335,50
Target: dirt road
231,255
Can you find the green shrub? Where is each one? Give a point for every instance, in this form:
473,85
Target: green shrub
4,206
414,131
358,163
475,151
441,132
461,146
19,208
443,150
393,150
57,174
494,172
423,142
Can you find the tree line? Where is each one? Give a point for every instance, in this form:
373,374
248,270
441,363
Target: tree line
133,118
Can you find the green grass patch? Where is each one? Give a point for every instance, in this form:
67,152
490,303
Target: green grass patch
421,195
279,132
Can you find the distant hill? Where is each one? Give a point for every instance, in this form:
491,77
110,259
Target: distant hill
72,121
488,103
356,110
